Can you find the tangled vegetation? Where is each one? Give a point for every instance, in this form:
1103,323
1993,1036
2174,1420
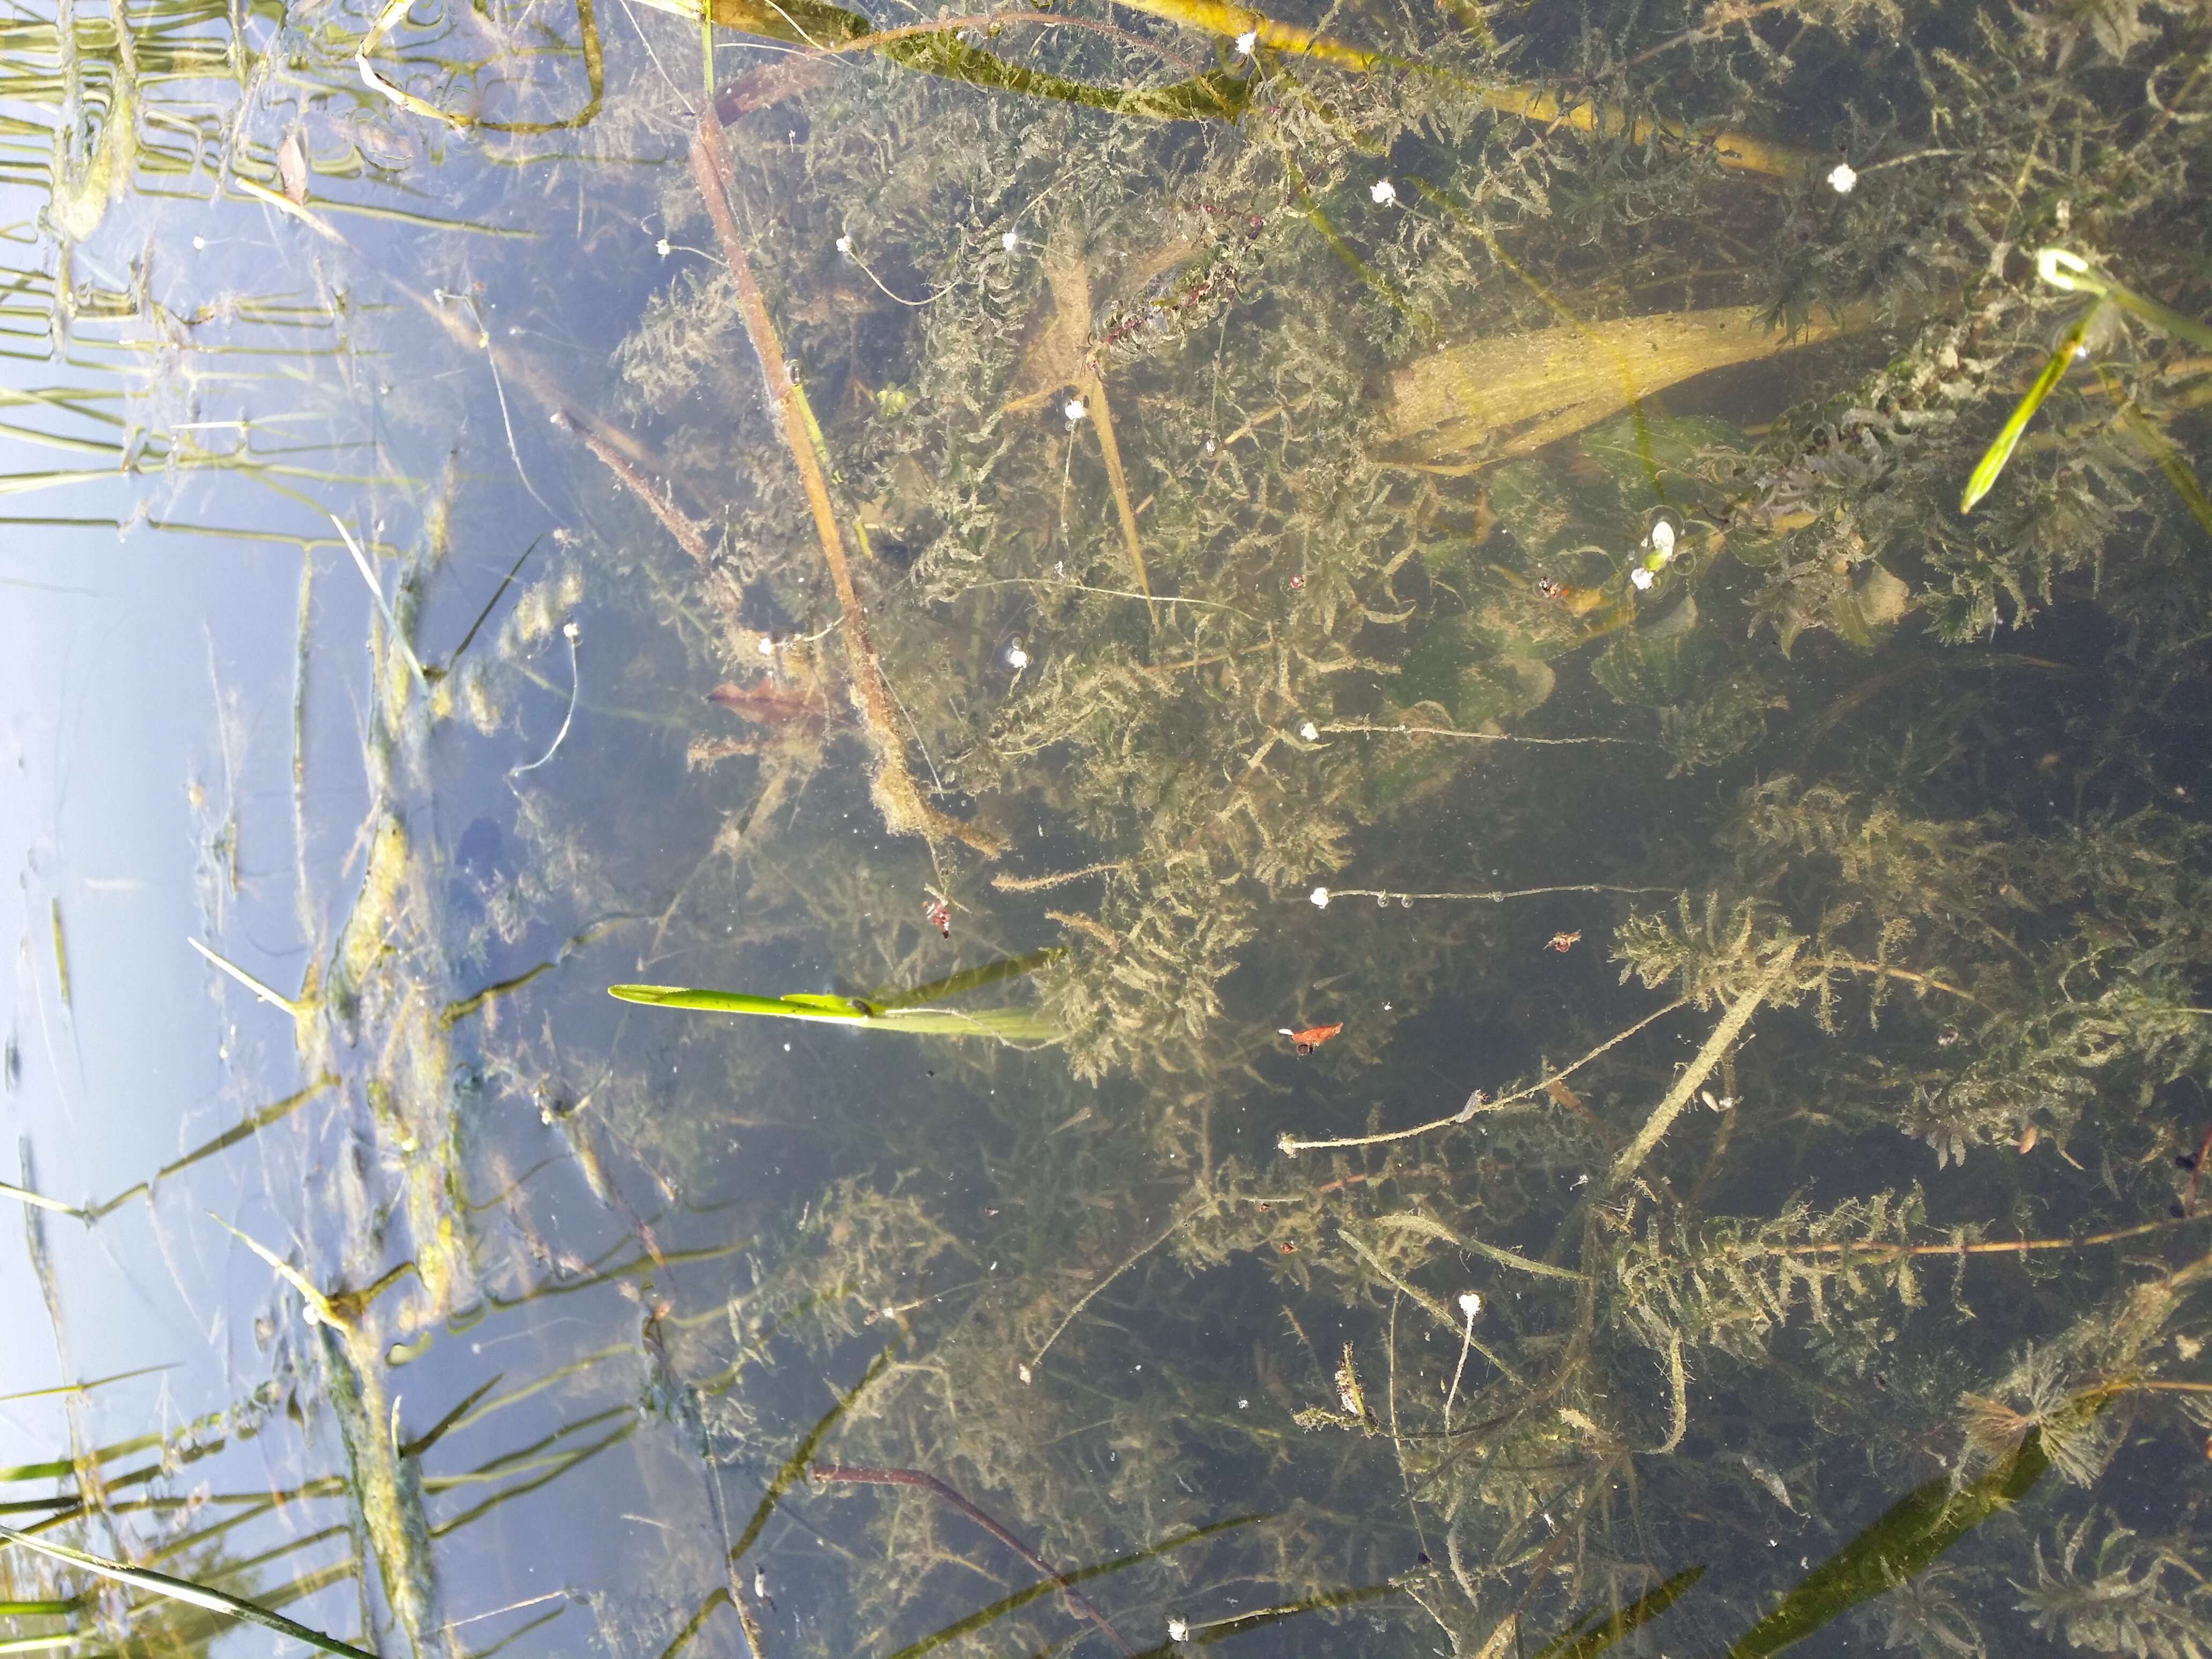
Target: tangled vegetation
1609,989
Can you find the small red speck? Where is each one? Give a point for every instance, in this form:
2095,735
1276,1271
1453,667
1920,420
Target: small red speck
1287,1248
1297,584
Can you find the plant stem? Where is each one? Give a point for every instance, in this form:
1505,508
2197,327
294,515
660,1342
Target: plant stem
1077,1602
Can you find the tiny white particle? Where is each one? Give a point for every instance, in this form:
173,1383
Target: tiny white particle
1383,192
1320,897
1469,1303
1248,41
845,245
1662,540
1023,1371
1310,732
570,632
1009,241
661,247
1641,577
767,646
199,244
1178,1631
1074,410
787,1047
1842,180
1017,659
1243,1404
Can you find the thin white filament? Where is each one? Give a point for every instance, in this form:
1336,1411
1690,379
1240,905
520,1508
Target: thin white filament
575,685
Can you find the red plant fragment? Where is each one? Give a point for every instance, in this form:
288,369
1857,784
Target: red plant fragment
1313,1037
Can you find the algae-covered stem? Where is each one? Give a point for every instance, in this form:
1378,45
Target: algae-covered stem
1723,1039
896,796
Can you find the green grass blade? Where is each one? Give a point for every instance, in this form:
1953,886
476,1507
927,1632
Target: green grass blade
25,1195
1906,1539
894,1012
798,1462
2000,448
1019,1025
969,979
1587,1644
1028,1593
182,1589
2168,322
734,1002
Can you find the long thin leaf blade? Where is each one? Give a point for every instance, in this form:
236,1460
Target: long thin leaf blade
2000,448
968,979
182,1589
703,1000
2170,322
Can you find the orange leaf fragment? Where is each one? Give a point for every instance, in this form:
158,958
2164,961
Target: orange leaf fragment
1313,1037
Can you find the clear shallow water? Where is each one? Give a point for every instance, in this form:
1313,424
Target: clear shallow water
1371,565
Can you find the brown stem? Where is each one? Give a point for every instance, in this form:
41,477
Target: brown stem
896,796
1006,19
688,535
1989,1247
861,1475
1922,980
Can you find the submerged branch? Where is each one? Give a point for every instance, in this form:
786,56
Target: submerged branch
1291,1146
1686,1085
896,796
